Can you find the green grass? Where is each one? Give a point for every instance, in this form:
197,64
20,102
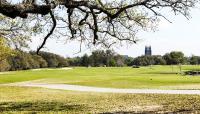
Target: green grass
25,100
22,100
160,77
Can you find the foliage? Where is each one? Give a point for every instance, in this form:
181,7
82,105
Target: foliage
100,58
16,32
174,58
29,60
4,65
53,60
5,50
148,60
99,22
194,60
40,61
85,60
22,61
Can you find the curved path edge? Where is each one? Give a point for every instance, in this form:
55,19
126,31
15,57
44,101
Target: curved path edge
104,90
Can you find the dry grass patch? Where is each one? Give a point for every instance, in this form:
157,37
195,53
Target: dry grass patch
41,101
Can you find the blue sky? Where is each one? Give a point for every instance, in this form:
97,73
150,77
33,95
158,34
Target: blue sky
181,35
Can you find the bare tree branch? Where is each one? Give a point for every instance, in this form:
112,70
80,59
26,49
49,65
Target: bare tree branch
99,21
50,33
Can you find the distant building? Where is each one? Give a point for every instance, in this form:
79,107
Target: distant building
148,51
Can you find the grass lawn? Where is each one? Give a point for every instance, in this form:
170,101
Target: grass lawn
21,100
159,77
26,100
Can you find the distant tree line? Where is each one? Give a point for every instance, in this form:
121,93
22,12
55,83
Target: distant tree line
111,59
99,58
172,58
30,60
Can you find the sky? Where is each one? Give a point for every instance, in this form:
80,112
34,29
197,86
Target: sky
180,35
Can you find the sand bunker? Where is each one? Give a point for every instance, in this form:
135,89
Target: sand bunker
5,73
36,69
65,68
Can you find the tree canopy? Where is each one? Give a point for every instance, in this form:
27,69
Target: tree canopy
5,51
97,22
174,58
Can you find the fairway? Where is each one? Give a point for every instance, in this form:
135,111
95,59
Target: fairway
35,100
155,77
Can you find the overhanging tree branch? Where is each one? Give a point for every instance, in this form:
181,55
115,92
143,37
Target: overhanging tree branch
22,10
51,31
103,20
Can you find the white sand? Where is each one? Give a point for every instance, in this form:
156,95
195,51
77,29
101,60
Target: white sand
36,69
65,68
5,73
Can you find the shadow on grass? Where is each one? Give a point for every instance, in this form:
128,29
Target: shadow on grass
158,112
39,106
165,73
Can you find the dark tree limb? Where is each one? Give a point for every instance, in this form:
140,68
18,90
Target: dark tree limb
22,10
49,34
95,28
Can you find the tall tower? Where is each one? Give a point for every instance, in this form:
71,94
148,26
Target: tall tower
148,51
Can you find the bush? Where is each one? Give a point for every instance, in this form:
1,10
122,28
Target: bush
4,65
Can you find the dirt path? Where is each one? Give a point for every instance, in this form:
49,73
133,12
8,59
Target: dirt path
103,90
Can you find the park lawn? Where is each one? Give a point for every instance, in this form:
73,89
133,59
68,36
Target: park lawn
24,100
156,77
27,100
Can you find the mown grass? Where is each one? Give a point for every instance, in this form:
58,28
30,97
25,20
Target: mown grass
23,100
159,77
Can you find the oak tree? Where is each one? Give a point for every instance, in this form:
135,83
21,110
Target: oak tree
93,22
